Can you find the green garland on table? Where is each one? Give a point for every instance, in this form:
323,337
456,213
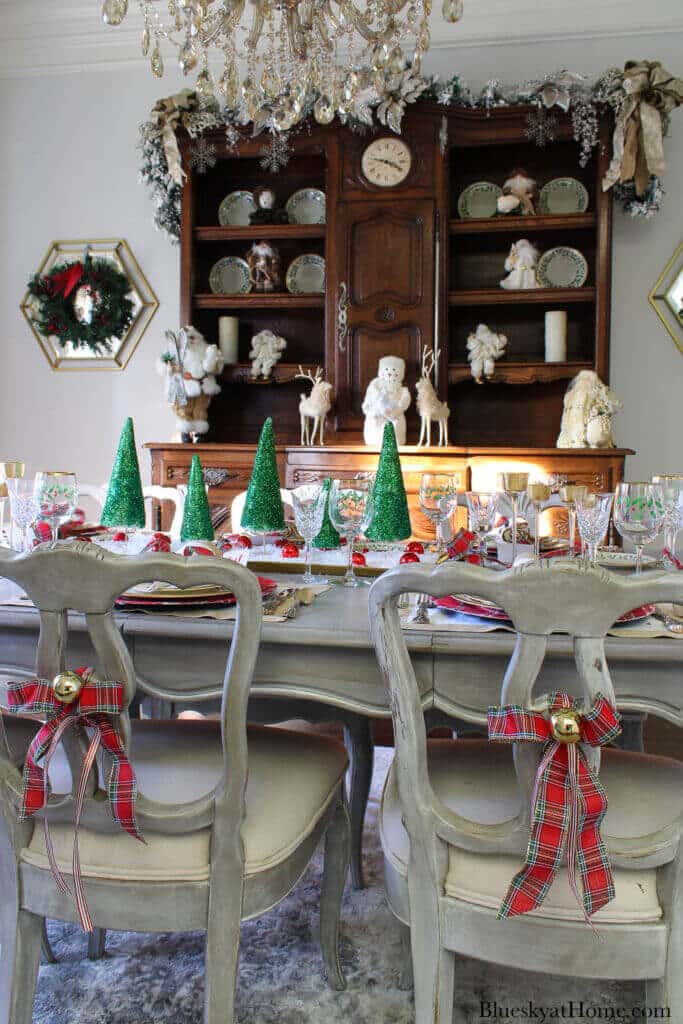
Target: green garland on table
385,102
54,295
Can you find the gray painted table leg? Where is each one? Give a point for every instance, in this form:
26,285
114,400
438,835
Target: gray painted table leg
96,943
45,946
358,738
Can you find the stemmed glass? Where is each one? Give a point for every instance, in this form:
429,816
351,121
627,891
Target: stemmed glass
513,485
483,507
438,500
351,509
592,516
4,494
639,515
569,493
57,495
672,489
24,508
12,469
538,494
309,511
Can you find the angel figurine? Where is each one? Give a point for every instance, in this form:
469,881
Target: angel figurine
521,265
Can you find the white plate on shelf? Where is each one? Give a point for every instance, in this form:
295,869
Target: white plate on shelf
479,200
230,276
562,267
563,195
236,209
307,206
306,275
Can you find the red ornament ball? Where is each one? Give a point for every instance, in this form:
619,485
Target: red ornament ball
42,531
120,535
358,558
416,547
290,551
409,556
243,541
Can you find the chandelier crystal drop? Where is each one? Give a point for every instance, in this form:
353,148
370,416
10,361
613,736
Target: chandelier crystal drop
283,58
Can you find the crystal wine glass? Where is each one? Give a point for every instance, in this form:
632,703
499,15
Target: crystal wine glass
309,511
672,488
57,496
569,493
24,508
4,494
639,515
351,509
592,516
438,500
513,485
483,507
538,494
12,469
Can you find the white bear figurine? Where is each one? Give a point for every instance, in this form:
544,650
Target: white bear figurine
386,400
521,265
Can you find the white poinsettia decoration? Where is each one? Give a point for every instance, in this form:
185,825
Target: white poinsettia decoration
556,90
400,89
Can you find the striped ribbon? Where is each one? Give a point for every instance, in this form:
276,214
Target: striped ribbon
568,804
91,709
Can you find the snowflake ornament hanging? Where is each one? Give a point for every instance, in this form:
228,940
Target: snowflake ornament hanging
202,156
541,128
276,154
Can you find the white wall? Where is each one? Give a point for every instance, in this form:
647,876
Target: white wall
69,170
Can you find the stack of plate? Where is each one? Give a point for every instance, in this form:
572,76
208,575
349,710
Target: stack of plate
487,610
161,597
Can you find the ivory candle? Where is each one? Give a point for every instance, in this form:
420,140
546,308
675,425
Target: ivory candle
228,334
556,336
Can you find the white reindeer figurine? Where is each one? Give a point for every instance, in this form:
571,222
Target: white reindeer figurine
428,405
314,407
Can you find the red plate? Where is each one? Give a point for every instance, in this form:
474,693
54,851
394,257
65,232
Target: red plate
190,600
491,612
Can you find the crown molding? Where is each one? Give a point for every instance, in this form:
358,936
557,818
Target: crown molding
42,37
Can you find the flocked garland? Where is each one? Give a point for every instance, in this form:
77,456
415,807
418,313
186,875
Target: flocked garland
55,311
630,94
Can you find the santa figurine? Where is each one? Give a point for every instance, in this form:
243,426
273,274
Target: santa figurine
386,401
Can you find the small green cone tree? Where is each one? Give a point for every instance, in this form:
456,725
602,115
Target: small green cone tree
197,523
125,504
328,536
391,519
263,511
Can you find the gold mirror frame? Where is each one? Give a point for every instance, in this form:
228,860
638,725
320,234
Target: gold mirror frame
145,305
660,297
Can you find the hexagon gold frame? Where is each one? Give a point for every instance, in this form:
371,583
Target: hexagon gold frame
662,293
145,305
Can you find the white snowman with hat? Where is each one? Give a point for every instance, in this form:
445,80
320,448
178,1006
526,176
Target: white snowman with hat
386,401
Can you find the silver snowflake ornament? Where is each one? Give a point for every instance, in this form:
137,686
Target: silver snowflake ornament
541,128
202,156
276,154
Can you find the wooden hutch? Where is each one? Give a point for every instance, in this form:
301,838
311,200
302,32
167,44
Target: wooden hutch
401,270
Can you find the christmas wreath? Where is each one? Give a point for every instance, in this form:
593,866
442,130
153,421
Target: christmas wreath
85,303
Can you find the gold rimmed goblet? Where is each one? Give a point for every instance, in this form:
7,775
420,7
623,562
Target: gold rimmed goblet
568,494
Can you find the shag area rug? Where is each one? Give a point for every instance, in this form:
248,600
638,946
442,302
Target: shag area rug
158,979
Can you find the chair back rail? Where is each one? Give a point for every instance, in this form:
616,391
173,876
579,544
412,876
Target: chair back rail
555,596
78,576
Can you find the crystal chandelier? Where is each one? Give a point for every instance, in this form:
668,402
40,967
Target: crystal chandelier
281,56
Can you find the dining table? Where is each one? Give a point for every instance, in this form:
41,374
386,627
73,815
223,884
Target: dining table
321,665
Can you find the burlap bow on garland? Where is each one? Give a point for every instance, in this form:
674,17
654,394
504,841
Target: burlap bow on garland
637,144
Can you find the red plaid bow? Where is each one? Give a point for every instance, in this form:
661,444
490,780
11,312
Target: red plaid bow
461,548
568,805
95,702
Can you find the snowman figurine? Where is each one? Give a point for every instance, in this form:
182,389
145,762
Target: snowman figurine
386,401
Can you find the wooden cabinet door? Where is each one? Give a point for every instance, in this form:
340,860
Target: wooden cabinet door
384,292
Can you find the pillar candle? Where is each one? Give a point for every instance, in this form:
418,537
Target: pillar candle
228,331
556,336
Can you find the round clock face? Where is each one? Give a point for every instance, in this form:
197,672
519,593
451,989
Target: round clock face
386,162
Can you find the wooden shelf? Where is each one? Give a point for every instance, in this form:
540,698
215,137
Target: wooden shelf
520,373
217,233
283,373
493,225
259,300
528,296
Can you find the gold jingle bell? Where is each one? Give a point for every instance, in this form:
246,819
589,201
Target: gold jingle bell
67,686
565,726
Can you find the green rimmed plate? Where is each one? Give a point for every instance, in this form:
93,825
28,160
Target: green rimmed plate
306,275
562,267
563,196
230,276
479,200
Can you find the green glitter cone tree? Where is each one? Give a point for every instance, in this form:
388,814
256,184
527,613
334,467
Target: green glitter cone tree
328,536
125,504
391,520
196,523
263,511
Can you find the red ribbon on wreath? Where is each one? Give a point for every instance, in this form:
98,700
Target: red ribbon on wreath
67,702
568,801
66,280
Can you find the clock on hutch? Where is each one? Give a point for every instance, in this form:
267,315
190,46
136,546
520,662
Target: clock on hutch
402,269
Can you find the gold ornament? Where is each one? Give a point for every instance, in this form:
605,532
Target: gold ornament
565,725
67,687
